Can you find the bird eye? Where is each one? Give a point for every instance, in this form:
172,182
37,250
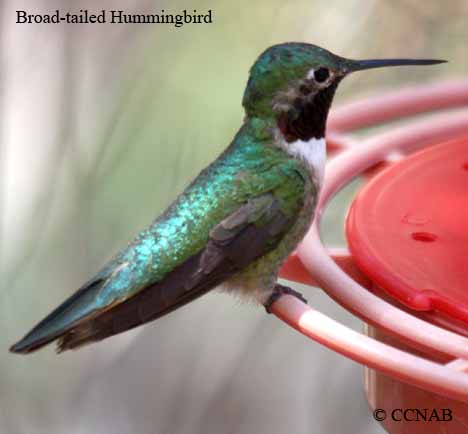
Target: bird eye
321,75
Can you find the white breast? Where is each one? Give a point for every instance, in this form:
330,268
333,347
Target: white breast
313,152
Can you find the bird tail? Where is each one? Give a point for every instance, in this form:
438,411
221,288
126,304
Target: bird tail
144,307
76,309
79,321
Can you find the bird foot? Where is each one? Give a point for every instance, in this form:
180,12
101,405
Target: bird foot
278,292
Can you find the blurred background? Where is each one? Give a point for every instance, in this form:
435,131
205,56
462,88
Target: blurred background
101,127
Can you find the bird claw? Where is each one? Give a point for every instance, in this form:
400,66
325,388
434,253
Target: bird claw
278,292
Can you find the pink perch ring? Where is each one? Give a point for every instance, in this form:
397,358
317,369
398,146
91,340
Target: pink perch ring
336,271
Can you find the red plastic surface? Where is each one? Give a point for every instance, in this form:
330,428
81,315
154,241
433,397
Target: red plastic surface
408,230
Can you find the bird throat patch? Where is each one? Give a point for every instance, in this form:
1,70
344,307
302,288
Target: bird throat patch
306,117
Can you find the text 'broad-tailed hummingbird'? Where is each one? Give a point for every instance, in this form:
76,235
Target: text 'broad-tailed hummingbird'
237,222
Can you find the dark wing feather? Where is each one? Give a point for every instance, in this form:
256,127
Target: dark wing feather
247,234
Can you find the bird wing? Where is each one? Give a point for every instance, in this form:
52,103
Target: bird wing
266,205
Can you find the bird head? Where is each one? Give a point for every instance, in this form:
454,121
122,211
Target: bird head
294,83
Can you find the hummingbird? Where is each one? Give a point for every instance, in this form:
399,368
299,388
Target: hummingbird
237,222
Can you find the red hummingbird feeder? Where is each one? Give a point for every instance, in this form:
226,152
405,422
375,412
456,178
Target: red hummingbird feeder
405,271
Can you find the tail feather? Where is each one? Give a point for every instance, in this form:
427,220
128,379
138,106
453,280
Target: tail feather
64,318
76,337
142,308
77,322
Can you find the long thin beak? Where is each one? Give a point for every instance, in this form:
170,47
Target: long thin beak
360,65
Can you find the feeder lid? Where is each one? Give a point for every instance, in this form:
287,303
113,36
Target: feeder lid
407,230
